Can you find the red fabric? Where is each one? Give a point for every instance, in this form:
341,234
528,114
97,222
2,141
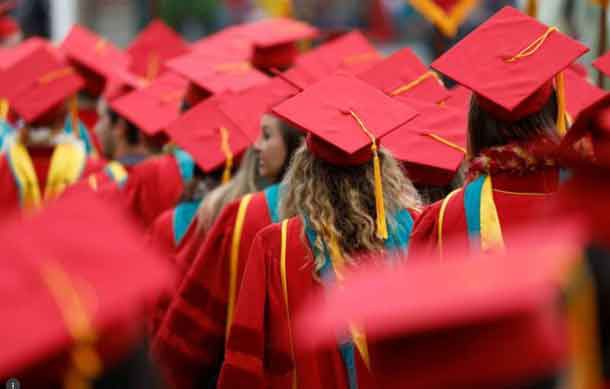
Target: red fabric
513,210
481,61
154,186
89,117
120,279
332,109
29,97
529,106
158,43
258,351
8,27
399,70
41,158
279,56
334,155
190,342
161,238
197,132
161,233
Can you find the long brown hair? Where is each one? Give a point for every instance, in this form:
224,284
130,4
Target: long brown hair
338,202
245,181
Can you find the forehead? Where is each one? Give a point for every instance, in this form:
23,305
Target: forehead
269,120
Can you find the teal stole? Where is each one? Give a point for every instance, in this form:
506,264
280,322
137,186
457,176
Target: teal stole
399,233
186,165
483,224
5,131
182,217
272,197
83,134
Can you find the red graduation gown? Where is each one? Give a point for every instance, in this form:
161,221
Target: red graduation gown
41,159
190,342
517,199
258,350
153,186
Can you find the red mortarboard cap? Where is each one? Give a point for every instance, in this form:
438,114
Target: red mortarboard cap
217,75
275,40
94,56
474,321
331,110
459,97
229,44
38,83
11,55
154,107
433,145
108,277
247,107
603,64
155,45
404,74
579,69
351,53
210,136
509,62
580,93
121,83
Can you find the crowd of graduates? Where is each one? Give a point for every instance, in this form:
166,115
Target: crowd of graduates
274,206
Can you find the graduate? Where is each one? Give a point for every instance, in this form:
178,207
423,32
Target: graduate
154,184
41,160
99,62
215,264
518,105
216,144
78,306
345,199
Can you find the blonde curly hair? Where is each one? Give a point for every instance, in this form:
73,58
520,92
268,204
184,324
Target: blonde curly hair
339,201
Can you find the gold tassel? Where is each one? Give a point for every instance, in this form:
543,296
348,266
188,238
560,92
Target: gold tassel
74,116
4,107
382,228
561,104
532,8
226,149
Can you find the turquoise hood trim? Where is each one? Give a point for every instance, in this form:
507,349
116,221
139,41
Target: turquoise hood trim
400,228
183,216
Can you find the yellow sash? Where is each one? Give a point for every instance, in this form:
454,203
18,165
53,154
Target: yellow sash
234,259
67,163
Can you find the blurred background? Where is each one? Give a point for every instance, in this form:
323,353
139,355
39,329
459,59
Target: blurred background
390,23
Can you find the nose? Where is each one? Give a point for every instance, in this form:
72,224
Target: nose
258,145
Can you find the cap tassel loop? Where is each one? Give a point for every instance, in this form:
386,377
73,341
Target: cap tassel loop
382,228
534,46
560,88
407,87
4,108
225,146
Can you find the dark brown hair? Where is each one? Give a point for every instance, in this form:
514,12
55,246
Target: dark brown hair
485,131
